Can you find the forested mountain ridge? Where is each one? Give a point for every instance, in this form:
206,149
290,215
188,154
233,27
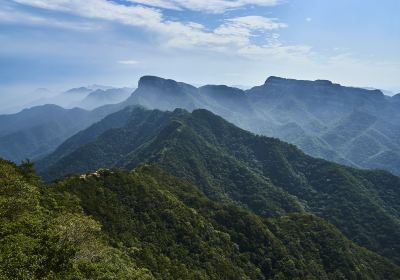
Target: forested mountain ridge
146,224
308,114
229,164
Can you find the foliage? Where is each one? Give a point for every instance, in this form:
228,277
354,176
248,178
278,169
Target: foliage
39,242
147,225
265,175
171,228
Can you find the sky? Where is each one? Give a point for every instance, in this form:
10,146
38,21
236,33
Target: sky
67,43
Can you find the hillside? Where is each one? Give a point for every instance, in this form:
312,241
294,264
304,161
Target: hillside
147,225
46,235
262,174
309,114
35,132
171,225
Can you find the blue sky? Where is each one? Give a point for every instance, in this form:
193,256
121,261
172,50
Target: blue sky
65,43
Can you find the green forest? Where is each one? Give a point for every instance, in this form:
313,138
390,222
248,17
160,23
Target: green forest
146,224
264,175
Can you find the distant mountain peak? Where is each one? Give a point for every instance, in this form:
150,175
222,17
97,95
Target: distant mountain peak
164,84
96,87
80,90
275,79
324,82
45,107
154,81
220,88
324,85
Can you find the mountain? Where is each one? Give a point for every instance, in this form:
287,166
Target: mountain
328,106
262,174
71,97
78,91
309,114
163,94
304,113
102,97
35,132
146,224
87,97
16,101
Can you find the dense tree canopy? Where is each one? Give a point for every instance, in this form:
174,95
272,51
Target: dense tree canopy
146,224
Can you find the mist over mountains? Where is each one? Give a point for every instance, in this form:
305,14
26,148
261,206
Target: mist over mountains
324,119
353,126
86,97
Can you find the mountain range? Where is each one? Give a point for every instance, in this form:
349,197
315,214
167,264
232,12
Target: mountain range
352,126
184,182
265,175
35,132
88,97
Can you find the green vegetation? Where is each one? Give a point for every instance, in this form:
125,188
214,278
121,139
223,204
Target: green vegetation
262,174
147,224
46,236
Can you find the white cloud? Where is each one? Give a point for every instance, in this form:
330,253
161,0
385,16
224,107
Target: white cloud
128,62
277,52
233,36
257,22
10,15
164,4
308,19
209,6
100,9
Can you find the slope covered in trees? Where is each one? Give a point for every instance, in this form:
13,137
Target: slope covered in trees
46,235
146,224
265,175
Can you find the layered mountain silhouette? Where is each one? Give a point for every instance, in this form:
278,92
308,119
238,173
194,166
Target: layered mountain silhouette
352,126
309,114
102,97
88,98
35,132
231,165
